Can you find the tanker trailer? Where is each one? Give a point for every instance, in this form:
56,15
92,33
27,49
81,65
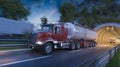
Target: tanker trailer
81,35
67,35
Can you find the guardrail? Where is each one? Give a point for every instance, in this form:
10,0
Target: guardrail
25,40
13,43
102,59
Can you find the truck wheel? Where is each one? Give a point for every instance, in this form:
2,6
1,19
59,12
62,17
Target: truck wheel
47,48
77,45
72,46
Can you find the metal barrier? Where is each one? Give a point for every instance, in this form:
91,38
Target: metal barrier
13,43
102,59
25,40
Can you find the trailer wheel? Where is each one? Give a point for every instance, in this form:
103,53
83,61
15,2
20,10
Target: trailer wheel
77,45
91,44
94,44
72,46
47,48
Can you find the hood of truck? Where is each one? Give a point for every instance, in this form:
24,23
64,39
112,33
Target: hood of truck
44,36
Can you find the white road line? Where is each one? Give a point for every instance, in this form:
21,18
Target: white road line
15,50
6,64
75,51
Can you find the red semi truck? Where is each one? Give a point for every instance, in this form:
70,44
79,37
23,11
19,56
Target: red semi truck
66,35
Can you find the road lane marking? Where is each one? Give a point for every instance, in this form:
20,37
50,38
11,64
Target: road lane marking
12,50
75,51
6,64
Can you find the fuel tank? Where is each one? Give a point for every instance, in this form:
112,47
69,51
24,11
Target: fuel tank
79,32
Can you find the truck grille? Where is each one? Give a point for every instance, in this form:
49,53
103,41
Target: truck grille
33,38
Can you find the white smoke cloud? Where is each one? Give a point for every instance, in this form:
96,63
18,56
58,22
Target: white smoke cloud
50,12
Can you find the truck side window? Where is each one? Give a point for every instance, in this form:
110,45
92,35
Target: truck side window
57,30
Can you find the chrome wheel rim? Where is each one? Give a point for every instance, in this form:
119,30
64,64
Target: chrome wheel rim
48,49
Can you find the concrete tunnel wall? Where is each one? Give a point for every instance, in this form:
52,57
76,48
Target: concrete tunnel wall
108,33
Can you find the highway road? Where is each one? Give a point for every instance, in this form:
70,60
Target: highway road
59,58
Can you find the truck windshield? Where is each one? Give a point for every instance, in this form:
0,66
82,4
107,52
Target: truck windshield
47,28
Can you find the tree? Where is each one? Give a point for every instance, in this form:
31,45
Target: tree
13,9
68,12
84,11
44,20
99,11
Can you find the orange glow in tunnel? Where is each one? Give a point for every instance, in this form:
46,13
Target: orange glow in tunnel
108,33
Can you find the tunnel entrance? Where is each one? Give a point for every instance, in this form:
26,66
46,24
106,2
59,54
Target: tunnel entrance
108,33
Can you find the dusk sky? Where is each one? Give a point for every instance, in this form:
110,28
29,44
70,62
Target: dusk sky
43,8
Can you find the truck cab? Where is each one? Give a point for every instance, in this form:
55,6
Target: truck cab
48,38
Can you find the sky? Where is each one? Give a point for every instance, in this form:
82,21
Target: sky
43,8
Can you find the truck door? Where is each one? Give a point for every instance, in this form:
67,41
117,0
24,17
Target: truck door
57,33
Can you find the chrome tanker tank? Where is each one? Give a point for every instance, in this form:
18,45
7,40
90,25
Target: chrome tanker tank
79,32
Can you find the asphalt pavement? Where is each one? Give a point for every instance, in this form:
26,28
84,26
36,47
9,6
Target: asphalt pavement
59,58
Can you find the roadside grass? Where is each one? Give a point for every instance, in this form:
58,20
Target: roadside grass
115,61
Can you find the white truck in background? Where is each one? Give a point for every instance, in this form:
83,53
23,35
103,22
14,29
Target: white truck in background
10,27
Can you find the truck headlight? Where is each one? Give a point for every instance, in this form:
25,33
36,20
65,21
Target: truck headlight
39,43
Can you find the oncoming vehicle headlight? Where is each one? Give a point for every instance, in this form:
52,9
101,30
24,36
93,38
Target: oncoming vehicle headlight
39,42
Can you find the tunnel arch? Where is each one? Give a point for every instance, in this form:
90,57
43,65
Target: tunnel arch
108,33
